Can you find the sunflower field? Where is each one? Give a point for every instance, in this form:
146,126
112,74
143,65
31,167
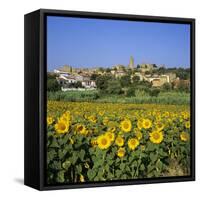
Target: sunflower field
112,141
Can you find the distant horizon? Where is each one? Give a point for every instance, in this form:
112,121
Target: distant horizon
92,67
90,43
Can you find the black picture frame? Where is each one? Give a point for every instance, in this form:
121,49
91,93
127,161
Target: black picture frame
35,68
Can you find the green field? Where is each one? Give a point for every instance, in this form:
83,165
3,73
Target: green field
173,98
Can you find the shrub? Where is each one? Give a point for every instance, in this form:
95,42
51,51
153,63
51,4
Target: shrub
114,87
130,92
125,81
154,92
102,82
52,85
167,86
141,93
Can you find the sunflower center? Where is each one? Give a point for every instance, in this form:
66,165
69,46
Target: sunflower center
103,141
156,136
184,136
146,123
80,128
126,125
61,126
119,140
133,142
121,152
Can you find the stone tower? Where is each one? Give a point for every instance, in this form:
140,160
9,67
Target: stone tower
131,63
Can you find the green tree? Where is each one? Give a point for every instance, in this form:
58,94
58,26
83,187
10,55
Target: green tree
141,87
113,87
154,92
130,92
101,69
102,82
52,83
183,74
108,70
145,83
125,81
162,70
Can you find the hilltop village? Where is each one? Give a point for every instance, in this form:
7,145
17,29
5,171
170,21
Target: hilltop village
73,78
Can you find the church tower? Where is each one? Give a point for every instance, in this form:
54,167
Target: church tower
131,63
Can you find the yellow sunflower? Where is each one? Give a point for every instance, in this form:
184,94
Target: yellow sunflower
159,126
105,120
156,137
103,141
110,135
184,136
119,141
187,124
126,125
66,116
101,113
133,143
93,142
49,120
138,135
186,115
140,124
121,152
146,123
166,114
112,129
92,118
112,126
62,127
80,128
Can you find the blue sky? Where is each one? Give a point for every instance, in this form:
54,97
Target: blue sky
81,42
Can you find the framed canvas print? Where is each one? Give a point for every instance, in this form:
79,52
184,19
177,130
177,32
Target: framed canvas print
109,99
